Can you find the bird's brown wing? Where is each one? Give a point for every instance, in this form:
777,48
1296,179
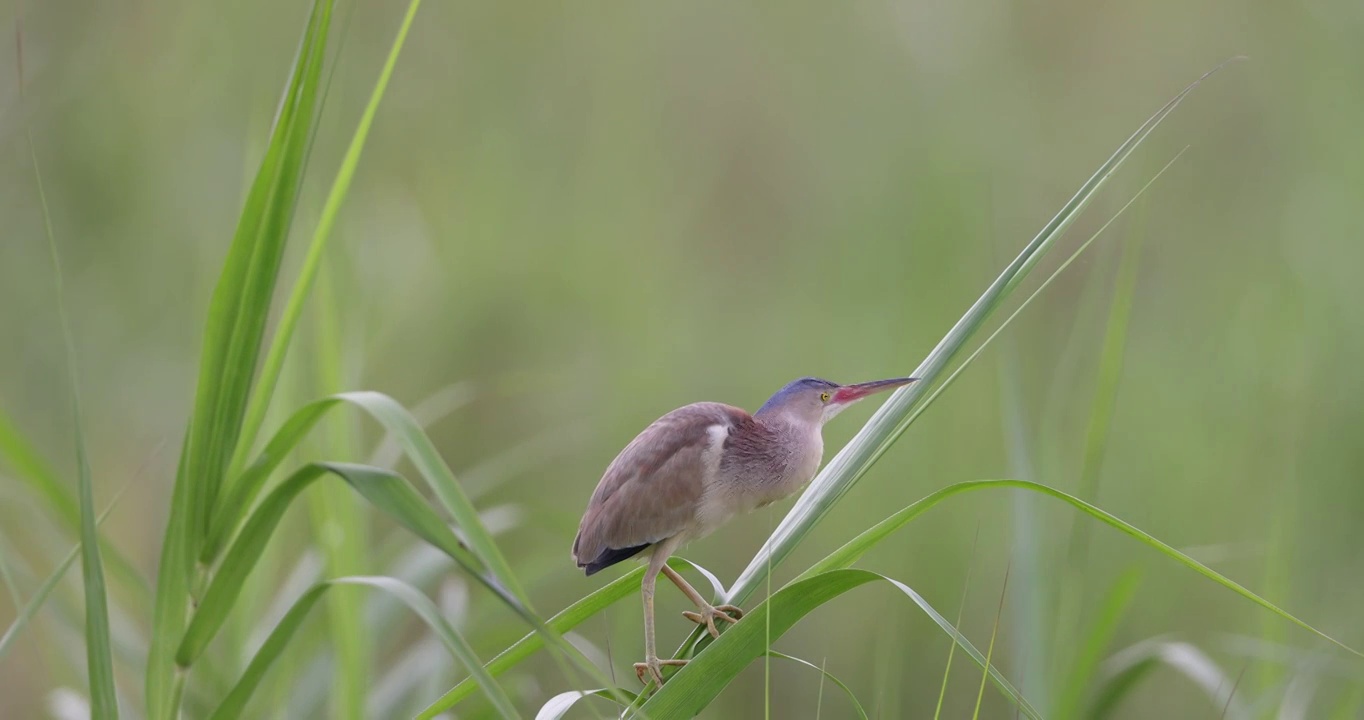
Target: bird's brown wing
650,491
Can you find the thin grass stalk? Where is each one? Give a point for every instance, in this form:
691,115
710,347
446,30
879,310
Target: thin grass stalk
339,524
961,608
1102,407
98,653
990,651
894,416
1028,612
27,611
7,575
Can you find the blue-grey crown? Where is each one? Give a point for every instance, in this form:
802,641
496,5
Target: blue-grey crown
795,387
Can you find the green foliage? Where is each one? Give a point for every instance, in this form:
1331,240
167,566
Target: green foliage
293,310
701,680
216,650
232,339
235,702
858,546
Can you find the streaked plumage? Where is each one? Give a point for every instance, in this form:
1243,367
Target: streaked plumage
696,467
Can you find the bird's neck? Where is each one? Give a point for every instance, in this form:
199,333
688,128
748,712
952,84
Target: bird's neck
795,438
786,424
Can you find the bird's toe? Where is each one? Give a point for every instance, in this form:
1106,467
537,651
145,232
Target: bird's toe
730,613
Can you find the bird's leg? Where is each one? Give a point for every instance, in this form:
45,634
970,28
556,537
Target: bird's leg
652,664
709,613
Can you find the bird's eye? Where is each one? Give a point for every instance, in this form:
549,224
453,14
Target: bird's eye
824,397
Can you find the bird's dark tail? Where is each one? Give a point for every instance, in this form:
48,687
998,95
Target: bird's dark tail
611,556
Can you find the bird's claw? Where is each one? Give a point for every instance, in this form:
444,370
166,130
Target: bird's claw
654,667
708,615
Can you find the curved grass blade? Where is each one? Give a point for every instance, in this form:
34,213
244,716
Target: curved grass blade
235,703
1129,667
232,337
1117,687
1090,653
559,705
386,490
855,548
279,346
894,416
418,448
428,411
98,651
828,676
697,683
416,445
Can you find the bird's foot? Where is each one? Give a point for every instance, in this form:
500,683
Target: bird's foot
654,667
709,614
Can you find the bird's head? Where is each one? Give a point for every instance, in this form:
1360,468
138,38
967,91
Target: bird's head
815,400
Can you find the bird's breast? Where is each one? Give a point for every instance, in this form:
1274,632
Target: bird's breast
746,473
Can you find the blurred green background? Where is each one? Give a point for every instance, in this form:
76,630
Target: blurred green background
581,217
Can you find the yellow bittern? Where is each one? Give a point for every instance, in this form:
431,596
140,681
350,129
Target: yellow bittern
693,469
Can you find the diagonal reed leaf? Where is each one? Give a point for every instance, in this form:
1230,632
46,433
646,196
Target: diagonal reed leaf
232,338
693,687
577,612
855,548
235,703
894,416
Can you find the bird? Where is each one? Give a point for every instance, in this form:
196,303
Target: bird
694,469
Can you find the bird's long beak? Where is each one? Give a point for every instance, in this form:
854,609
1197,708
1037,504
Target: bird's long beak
852,393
